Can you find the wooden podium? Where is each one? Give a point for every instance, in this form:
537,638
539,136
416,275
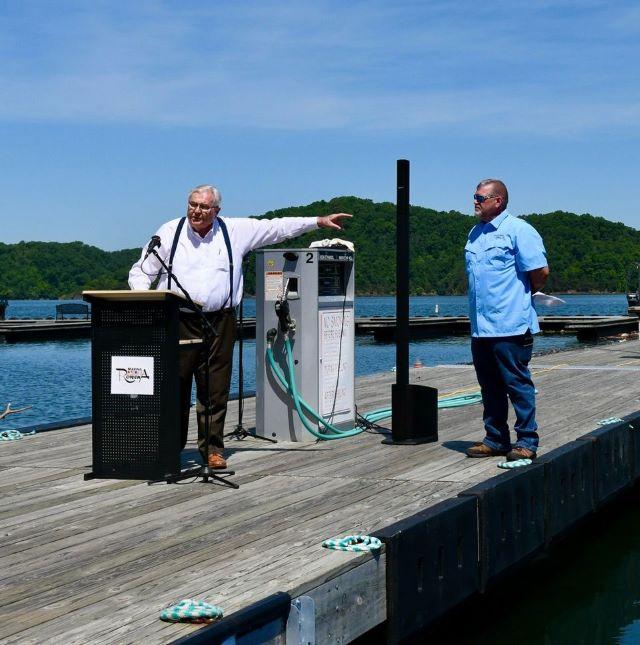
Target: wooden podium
135,383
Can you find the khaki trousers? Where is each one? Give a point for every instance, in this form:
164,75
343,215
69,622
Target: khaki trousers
193,363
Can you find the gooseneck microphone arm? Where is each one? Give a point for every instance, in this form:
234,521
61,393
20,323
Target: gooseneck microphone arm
154,243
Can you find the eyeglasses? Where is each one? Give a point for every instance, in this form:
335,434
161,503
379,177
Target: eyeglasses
483,198
203,207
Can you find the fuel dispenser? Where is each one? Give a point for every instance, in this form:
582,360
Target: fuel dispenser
305,323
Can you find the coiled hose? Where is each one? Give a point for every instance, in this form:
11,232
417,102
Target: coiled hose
289,384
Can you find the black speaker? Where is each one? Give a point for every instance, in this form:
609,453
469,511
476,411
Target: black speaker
414,414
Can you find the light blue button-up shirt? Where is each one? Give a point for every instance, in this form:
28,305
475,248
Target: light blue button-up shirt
498,256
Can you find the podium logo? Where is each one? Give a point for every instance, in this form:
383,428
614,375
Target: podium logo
132,375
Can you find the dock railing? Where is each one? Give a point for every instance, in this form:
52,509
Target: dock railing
72,308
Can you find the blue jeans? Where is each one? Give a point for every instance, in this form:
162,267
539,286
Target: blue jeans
502,368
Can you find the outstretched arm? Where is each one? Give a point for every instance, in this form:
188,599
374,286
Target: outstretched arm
254,233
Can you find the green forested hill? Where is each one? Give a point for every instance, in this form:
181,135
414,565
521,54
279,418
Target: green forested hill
585,253
588,253
59,270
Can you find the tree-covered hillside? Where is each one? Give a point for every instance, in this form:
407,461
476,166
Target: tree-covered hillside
59,270
585,253
588,253
437,240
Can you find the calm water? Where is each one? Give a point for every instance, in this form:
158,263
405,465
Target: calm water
54,377
586,592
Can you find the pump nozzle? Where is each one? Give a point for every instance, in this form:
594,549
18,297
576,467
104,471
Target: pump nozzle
271,335
282,311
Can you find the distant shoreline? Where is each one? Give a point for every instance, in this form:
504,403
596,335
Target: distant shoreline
371,295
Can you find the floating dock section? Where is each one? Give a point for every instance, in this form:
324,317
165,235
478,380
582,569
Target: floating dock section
382,328
97,561
586,328
13,331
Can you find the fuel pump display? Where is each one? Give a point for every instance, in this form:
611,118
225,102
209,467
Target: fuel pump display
307,296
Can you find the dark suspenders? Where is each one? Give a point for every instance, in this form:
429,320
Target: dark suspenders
174,246
227,243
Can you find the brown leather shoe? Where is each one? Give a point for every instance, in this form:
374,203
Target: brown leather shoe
482,450
217,461
520,453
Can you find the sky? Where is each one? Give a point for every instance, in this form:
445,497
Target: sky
110,111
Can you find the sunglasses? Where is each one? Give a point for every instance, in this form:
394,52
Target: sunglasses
483,198
203,207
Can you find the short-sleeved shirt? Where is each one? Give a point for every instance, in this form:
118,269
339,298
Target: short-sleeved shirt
498,256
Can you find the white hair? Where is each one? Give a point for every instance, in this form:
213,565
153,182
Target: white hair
208,188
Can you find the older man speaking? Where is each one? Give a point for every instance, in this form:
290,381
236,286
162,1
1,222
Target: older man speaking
201,255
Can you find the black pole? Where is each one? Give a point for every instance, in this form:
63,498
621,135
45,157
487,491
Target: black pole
402,287
240,370
240,432
414,415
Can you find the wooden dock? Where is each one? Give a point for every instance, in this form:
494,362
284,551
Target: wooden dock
25,330
586,328
96,561
20,330
382,328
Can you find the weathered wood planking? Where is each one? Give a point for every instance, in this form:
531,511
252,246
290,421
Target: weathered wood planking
96,561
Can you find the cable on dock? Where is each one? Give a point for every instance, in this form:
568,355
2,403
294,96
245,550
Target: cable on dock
14,435
518,463
191,611
365,422
606,422
355,543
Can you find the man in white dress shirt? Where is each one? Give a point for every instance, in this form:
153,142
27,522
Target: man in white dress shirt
206,256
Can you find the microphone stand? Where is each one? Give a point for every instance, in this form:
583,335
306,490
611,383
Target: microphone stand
209,334
240,432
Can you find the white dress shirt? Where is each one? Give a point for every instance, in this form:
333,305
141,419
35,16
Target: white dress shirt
201,264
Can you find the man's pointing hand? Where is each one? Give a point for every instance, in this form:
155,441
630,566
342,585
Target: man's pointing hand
332,221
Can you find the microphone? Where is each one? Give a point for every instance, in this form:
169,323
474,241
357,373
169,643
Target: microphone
153,244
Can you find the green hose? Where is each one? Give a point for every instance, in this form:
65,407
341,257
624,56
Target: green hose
443,403
333,432
300,403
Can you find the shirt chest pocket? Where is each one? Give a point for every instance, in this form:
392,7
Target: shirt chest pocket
499,254
206,268
220,269
470,256
221,263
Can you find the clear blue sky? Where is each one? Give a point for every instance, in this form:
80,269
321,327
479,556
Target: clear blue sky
110,110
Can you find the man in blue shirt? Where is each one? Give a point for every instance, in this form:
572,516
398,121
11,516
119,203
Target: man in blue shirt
506,263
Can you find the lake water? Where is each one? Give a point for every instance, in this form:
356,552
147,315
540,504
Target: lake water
55,377
586,591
